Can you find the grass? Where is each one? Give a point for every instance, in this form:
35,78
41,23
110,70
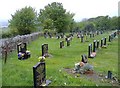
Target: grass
20,73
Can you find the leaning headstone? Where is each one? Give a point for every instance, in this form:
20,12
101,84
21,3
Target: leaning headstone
61,44
45,50
39,75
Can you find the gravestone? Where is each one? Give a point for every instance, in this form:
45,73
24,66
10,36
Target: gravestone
82,38
61,44
105,41
102,42
94,46
68,42
84,58
97,44
89,50
90,53
45,50
39,75
109,75
22,51
109,39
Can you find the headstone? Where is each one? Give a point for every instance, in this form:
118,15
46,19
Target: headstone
61,44
109,74
68,42
22,51
102,42
45,50
109,39
84,59
89,50
39,75
94,46
105,41
82,38
97,44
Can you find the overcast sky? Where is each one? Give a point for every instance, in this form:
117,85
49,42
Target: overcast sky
81,8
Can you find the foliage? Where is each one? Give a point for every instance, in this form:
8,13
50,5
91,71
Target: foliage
24,20
99,23
54,17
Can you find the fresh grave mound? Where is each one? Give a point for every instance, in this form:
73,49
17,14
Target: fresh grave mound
85,70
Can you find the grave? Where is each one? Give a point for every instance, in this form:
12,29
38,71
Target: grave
97,44
94,46
84,58
61,44
109,39
68,42
39,75
101,42
45,50
104,43
23,53
90,53
82,38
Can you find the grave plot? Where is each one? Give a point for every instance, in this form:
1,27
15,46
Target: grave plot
23,53
39,75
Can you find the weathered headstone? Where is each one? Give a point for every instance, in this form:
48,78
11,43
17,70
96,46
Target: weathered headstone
45,50
39,75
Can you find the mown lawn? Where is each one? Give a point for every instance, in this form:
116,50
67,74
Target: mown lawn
20,73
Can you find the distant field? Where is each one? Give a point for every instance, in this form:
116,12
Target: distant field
20,73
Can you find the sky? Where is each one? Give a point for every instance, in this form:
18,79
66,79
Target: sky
81,8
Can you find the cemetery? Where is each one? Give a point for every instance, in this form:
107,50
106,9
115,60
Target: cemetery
80,64
50,48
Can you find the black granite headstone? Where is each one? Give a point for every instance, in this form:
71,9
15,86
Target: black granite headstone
94,46
39,75
84,59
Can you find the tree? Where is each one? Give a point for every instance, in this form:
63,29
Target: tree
24,20
54,17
